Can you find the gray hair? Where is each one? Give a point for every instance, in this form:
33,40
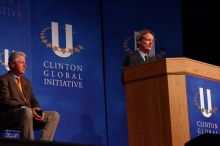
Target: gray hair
13,56
141,33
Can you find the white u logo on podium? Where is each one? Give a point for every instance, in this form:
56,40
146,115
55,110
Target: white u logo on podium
206,112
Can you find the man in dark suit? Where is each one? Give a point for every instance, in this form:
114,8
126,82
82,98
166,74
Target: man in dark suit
18,104
144,40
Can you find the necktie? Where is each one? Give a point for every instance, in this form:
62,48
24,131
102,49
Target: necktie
146,58
20,87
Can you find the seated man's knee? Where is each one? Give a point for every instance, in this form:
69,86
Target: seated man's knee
55,115
27,113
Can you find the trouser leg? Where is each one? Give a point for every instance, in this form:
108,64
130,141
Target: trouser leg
26,124
51,119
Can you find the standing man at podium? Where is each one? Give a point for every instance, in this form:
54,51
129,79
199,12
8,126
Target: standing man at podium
144,40
19,106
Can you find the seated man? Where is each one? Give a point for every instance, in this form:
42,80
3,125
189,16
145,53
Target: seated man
18,105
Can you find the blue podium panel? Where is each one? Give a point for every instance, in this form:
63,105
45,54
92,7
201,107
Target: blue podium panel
203,105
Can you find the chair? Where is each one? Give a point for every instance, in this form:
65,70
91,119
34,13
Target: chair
10,133
15,132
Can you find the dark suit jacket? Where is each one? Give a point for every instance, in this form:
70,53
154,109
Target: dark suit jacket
135,58
10,95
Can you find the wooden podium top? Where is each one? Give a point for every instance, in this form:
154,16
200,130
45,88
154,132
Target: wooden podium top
168,66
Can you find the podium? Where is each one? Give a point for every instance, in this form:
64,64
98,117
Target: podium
156,99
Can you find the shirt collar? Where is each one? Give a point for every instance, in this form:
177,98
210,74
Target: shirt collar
15,77
142,53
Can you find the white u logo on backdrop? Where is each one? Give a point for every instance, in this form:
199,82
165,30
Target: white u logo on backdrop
4,58
54,45
55,40
206,112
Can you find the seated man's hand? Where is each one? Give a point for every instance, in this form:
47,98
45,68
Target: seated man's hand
36,116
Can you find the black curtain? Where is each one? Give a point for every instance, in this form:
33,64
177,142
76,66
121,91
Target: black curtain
201,35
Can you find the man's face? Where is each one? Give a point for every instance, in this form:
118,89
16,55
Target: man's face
146,43
20,65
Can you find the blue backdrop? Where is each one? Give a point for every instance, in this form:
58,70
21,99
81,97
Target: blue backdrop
80,100
15,28
80,77
121,19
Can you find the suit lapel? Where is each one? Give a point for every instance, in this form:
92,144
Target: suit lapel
14,84
139,57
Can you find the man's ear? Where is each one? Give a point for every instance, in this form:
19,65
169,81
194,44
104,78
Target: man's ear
138,42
